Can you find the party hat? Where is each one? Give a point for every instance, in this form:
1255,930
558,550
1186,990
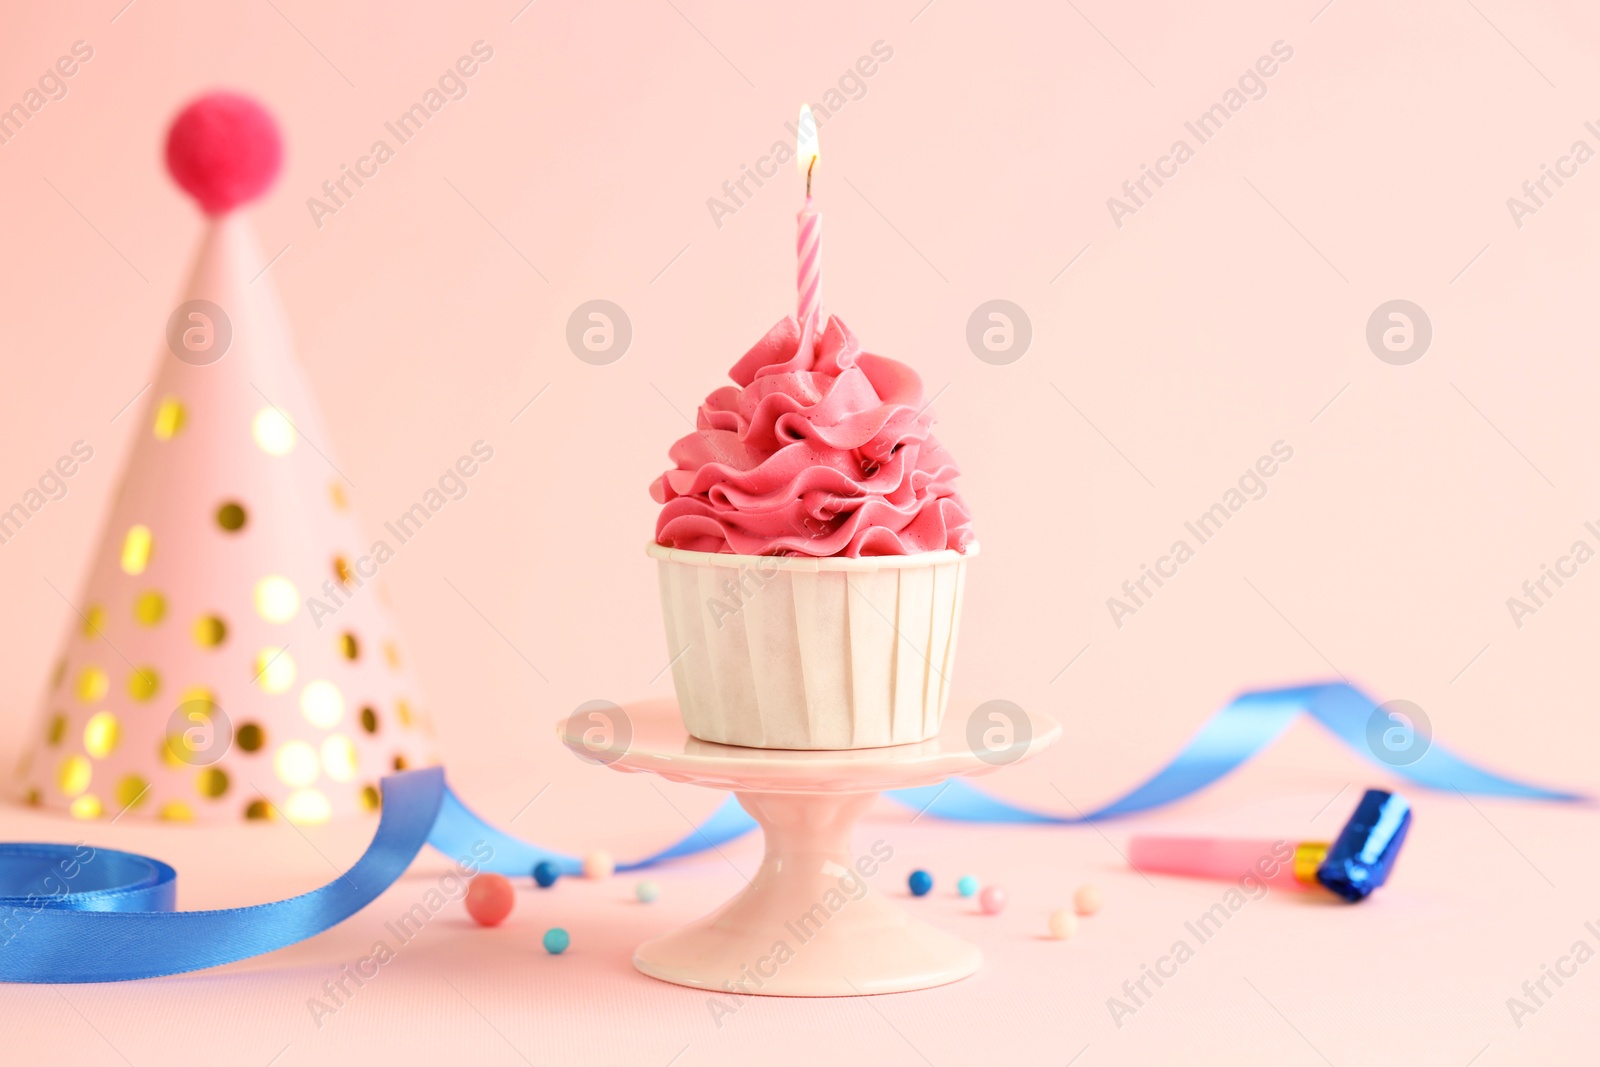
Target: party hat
229,658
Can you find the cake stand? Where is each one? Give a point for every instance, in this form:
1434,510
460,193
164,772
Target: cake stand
814,921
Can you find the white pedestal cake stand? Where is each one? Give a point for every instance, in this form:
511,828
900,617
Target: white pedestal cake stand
809,924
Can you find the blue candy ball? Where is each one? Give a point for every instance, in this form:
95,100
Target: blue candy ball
967,886
920,882
546,873
556,940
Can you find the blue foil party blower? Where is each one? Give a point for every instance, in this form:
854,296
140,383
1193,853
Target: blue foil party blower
1358,861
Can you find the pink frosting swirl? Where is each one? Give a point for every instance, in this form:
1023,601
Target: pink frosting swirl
820,449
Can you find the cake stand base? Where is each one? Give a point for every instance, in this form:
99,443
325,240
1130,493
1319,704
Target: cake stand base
817,920
812,922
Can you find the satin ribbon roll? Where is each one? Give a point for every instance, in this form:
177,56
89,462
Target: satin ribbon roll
74,913
79,878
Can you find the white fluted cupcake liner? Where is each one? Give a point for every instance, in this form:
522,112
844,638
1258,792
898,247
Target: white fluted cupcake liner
803,653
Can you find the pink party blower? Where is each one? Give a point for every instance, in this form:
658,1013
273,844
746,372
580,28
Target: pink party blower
1359,860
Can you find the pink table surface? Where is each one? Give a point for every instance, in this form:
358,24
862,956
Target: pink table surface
1485,894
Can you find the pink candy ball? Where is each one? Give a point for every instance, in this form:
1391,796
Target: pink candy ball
489,899
599,865
992,900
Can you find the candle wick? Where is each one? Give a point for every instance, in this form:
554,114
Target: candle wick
809,168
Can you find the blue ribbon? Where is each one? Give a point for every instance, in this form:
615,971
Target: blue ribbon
73,913
1227,740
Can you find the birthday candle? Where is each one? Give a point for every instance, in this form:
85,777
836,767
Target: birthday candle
809,243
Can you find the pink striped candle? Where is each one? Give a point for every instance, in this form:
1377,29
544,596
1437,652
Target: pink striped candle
809,277
808,245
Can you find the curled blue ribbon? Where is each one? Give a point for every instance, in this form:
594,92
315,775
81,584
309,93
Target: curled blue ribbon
74,913
1229,739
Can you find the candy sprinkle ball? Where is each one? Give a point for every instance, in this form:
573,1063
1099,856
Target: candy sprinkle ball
556,940
992,900
647,891
598,865
920,882
545,873
1063,924
490,898
1087,900
967,886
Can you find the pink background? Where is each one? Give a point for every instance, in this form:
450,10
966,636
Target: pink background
1227,314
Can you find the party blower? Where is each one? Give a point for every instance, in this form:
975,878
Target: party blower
1358,861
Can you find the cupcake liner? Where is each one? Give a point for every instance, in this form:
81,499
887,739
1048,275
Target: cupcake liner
802,653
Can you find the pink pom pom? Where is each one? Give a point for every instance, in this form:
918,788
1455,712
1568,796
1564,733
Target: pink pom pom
224,150
489,899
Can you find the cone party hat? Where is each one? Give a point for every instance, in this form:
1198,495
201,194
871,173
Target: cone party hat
229,657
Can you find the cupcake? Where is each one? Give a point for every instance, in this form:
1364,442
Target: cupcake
812,551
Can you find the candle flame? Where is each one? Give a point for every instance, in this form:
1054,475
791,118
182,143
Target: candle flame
808,151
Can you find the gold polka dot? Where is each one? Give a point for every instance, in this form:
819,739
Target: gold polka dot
403,710
307,806
296,764
369,719
59,674
177,811
57,729
277,600
86,807
34,798
171,416
322,704
400,763
211,781
251,737
74,775
336,494
391,652
150,608
371,799
143,683
231,516
349,647
210,631
339,758
131,792
94,621
274,670
92,685
258,809
101,734
196,734
137,545
273,432
342,571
